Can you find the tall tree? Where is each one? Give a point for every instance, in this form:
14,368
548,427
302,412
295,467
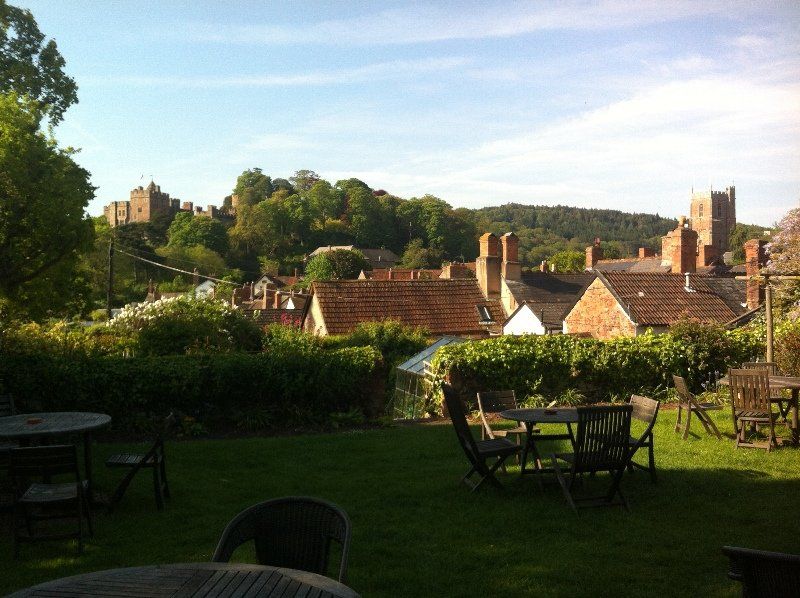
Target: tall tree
188,230
252,187
303,180
43,197
338,264
31,66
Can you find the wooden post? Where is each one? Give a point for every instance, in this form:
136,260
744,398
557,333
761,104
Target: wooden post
768,309
110,286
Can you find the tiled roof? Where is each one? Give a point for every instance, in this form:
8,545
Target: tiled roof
264,317
553,294
441,306
660,299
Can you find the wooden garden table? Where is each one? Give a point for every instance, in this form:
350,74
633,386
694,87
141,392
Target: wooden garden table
59,423
531,417
783,383
194,579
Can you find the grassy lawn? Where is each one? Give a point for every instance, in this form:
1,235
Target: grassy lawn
418,532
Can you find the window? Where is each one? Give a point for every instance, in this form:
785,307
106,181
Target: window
484,314
719,210
700,211
139,210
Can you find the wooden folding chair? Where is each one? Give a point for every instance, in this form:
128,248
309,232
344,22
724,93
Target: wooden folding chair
688,403
477,452
155,459
602,444
644,410
45,500
784,404
751,406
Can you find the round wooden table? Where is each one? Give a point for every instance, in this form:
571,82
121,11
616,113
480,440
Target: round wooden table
59,423
531,417
194,579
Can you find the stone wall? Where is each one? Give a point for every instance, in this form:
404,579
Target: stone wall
598,313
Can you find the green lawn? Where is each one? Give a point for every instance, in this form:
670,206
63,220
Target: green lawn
418,532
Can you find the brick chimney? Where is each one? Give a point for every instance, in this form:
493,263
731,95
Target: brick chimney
455,271
679,249
646,252
543,266
276,301
755,258
594,253
512,270
487,266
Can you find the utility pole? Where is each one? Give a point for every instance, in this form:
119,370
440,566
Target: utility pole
110,286
768,313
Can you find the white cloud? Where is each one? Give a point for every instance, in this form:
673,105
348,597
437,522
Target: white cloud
421,24
370,72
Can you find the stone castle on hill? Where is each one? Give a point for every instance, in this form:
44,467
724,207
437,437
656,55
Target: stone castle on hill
146,202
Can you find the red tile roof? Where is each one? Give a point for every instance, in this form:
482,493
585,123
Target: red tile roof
659,299
441,306
401,274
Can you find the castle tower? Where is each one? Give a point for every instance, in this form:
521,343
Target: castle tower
713,215
148,201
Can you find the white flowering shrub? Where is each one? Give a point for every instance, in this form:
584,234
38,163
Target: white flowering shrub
187,324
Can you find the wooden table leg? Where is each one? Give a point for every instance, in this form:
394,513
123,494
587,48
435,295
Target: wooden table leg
87,465
795,393
528,440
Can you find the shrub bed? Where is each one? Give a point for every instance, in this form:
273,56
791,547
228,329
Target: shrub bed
543,368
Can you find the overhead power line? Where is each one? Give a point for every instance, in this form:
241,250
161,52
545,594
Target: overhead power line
141,259
176,259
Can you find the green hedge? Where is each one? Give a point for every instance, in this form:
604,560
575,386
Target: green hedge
548,367
280,387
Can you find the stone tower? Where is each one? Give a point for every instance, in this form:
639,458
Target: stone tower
713,216
147,201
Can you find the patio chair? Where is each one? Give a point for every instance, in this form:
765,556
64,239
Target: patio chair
784,404
644,410
751,406
294,532
764,574
688,403
7,406
602,444
48,500
477,452
495,402
154,459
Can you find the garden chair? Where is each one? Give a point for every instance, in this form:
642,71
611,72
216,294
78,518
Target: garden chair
294,532
6,410
644,410
688,403
601,444
495,402
43,501
751,406
477,452
784,404
764,574
154,459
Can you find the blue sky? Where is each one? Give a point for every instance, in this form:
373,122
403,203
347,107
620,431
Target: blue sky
619,104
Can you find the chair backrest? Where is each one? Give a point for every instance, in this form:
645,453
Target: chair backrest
494,402
294,532
684,395
763,573
750,389
7,406
455,408
602,441
645,410
44,461
770,366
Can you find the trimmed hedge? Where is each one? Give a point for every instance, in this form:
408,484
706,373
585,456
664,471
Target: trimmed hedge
291,386
542,368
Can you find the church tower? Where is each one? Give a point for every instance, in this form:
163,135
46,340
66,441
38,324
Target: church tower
713,215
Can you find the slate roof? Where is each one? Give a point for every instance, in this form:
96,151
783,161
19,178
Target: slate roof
401,274
632,264
549,295
660,299
442,306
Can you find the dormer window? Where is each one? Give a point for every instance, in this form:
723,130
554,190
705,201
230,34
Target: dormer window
484,314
